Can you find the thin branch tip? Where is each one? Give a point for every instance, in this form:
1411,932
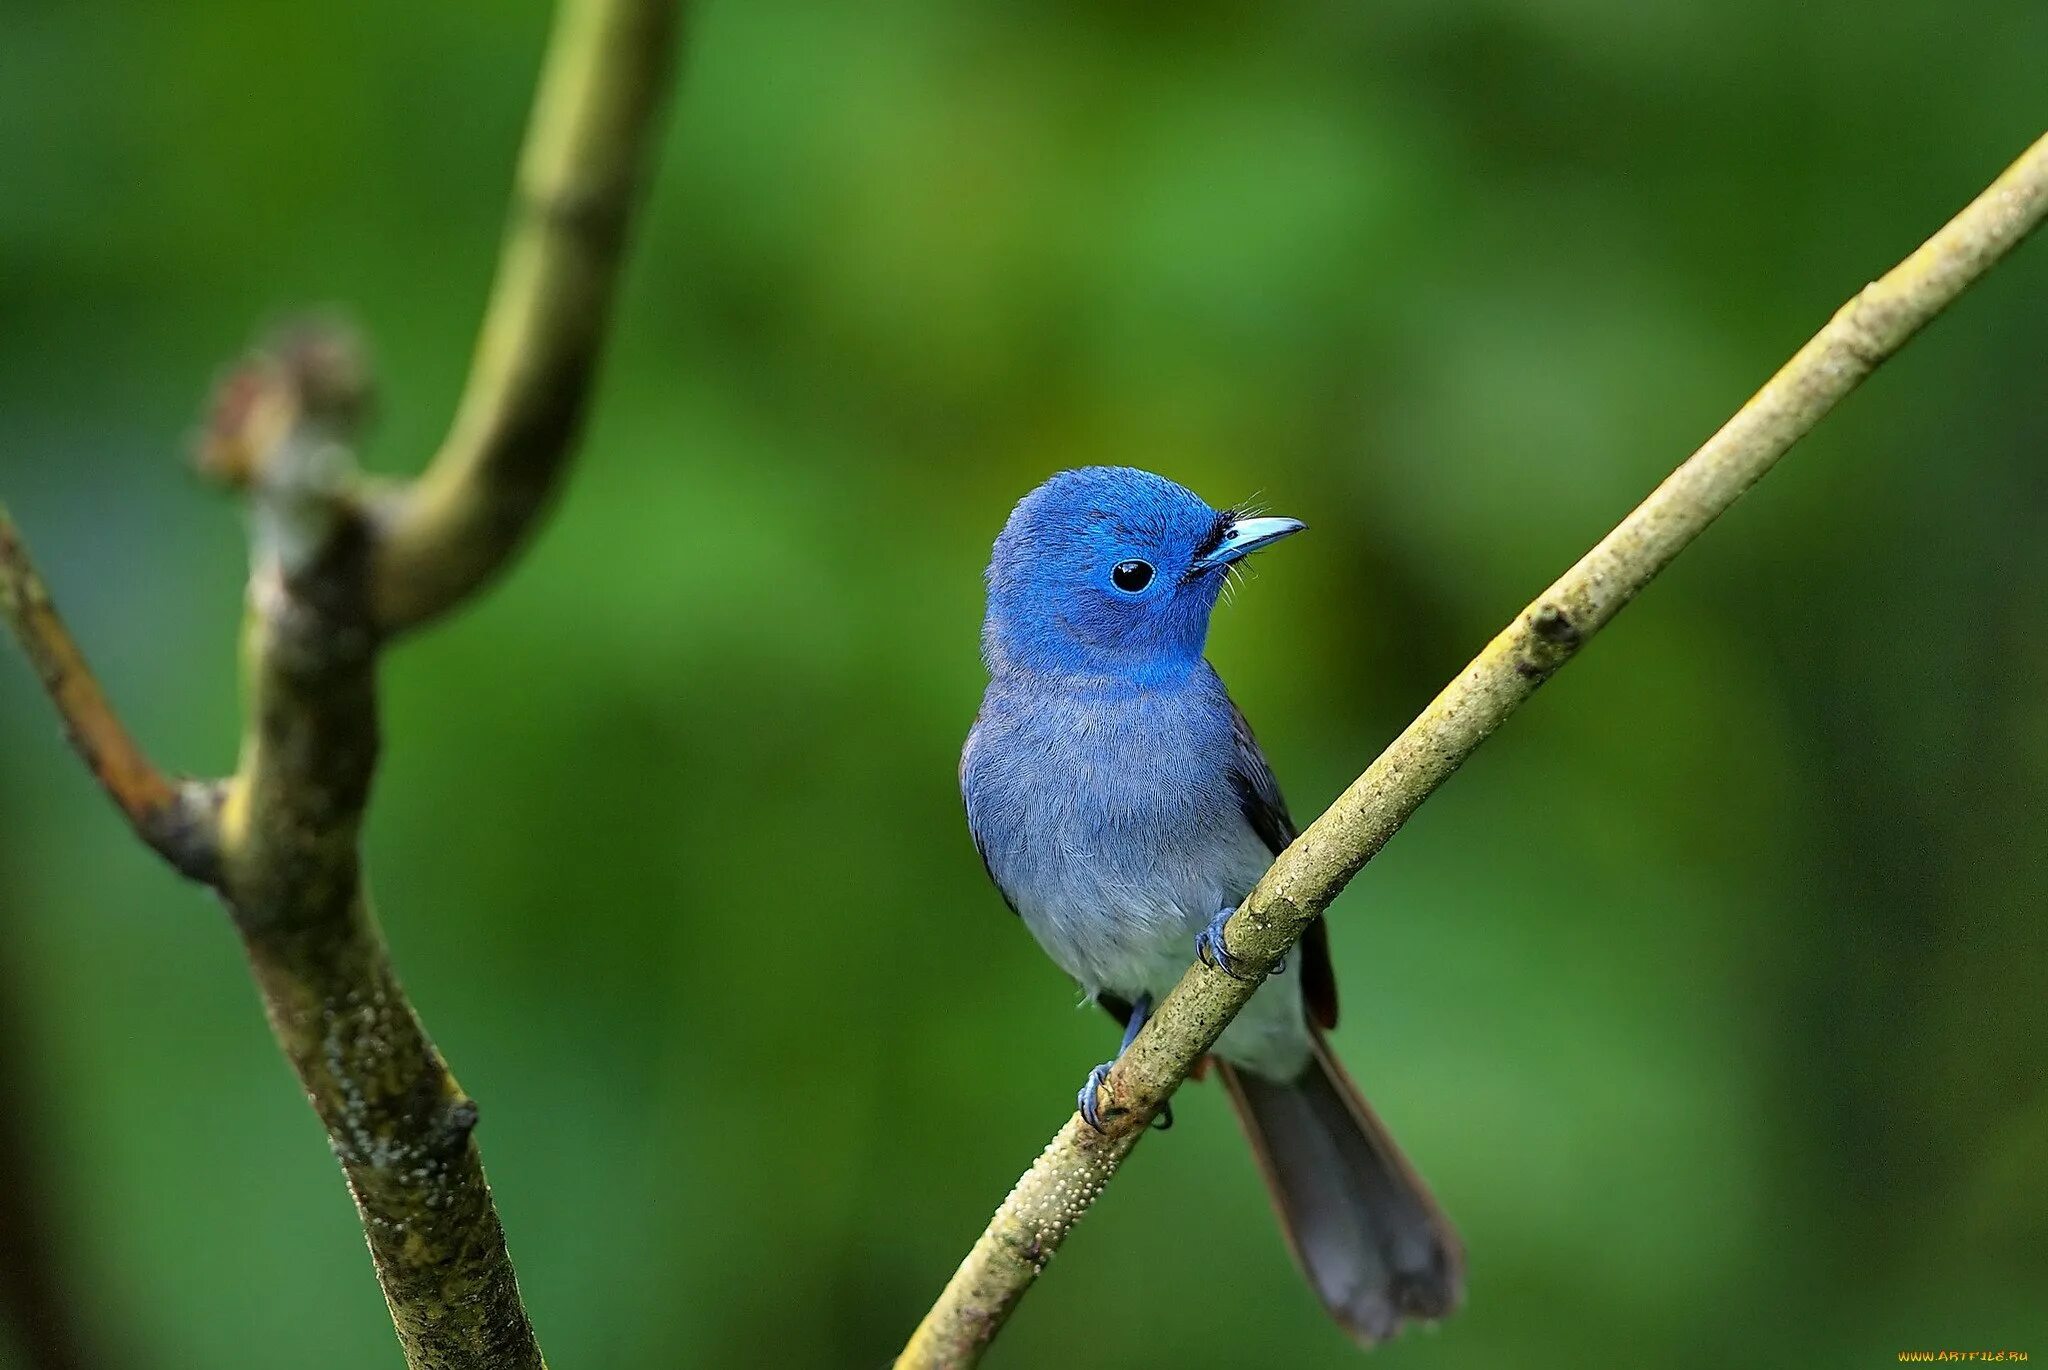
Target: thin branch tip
174,818
312,372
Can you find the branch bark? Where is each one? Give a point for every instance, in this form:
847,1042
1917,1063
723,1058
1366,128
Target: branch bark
1056,1192
529,383
174,817
335,570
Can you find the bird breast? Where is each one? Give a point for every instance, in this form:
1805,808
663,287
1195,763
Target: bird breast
1112,825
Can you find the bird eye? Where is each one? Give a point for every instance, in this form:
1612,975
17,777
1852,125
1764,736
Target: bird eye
1131,576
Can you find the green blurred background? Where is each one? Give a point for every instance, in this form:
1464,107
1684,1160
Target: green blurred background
1710,997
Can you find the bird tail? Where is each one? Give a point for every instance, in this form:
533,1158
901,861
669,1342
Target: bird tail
1362,1225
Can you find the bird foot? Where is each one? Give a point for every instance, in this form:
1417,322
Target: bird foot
1091,1110
1209,947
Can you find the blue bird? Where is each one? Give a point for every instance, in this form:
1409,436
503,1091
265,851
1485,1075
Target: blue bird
1123,808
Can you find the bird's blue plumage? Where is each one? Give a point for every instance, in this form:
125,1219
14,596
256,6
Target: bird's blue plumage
1121,803
1111,784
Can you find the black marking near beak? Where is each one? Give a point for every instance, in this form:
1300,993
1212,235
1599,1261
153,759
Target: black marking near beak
1234,538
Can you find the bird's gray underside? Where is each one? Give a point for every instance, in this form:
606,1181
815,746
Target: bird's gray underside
1115,857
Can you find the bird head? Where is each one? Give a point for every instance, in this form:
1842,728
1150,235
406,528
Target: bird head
1112,572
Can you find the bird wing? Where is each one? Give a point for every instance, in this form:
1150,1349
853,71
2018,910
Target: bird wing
1265,808
973,828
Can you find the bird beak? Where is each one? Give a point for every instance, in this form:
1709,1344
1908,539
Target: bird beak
1245,536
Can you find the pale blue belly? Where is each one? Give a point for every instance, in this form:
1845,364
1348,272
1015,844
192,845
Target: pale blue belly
1115,862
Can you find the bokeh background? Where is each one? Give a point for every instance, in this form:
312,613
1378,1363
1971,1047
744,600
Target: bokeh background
1709,997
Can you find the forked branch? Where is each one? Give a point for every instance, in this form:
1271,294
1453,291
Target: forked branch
1059,1187
335,571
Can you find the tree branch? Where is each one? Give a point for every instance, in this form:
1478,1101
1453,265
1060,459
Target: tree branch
579,180
174,817
291,873
1058,1189
334,571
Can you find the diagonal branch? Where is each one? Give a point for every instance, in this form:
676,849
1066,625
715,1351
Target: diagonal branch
334,572
174,817
579,181
1065,1179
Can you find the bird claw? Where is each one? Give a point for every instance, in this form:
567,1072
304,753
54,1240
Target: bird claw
1091,1111
1209,947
